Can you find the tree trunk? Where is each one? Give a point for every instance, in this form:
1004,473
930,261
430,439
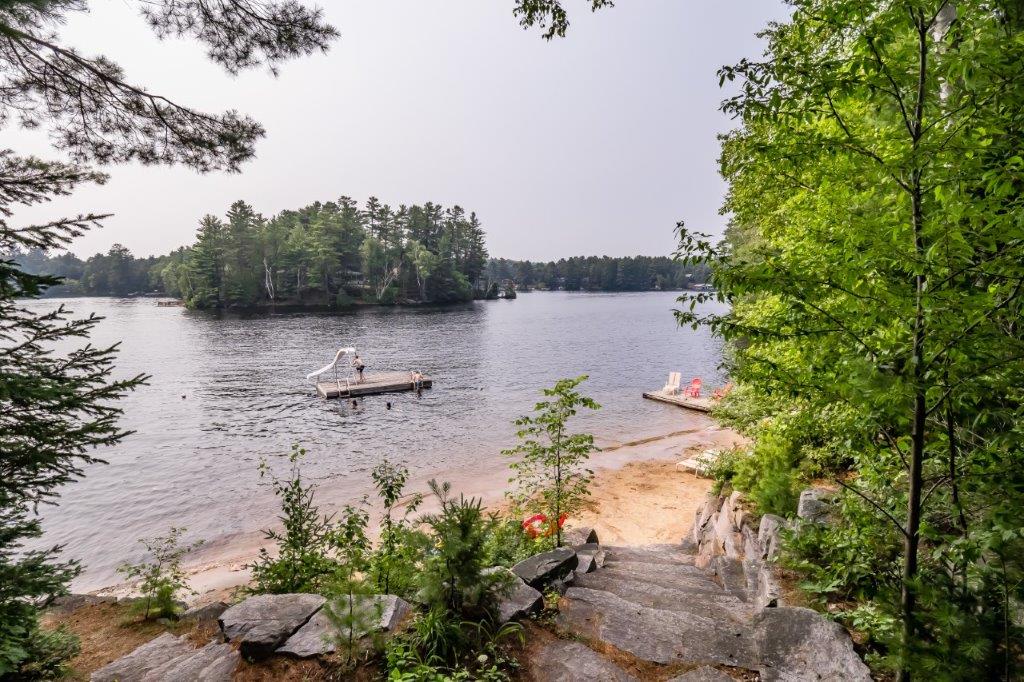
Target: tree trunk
911,543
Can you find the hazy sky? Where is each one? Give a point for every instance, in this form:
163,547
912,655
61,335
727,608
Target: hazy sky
594,144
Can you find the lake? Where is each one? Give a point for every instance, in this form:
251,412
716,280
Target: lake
228,389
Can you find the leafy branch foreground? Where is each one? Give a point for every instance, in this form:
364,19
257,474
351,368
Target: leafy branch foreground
874,267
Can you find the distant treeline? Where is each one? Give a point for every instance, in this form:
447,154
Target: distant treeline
332,254
592,273
337,254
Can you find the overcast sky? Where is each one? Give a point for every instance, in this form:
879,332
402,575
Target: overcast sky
593,144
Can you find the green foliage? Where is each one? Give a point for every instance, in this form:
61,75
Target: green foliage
454,580
58,401
550,466
304,560
46,655
508,543
873,266
350,616
394,566
768,476
161,578
457,634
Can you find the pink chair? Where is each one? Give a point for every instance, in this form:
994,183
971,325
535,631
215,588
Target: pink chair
694,390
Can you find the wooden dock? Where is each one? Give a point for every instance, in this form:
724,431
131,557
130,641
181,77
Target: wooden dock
698,404
374,384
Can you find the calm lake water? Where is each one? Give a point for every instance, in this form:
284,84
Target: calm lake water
229,389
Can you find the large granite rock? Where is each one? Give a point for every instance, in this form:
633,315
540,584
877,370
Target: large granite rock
520,599
796,644
213,663
815,505
377,613
567,661
547,567
150,656
262,623
705,673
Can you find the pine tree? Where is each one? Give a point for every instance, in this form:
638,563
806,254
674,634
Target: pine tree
55,406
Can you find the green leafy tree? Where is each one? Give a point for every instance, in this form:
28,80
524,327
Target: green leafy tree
400,545
349,609
161,579
874,266
550,466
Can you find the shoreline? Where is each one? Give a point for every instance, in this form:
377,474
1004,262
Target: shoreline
638,496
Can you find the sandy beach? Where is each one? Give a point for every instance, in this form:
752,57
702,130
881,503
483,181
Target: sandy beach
638,496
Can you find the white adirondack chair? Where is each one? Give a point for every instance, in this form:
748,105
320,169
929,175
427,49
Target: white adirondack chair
672,387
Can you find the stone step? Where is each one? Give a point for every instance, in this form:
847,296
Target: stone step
693,581
652,554
567,661
213,663
706,605
656,635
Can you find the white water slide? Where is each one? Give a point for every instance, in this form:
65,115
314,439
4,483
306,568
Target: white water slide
342,353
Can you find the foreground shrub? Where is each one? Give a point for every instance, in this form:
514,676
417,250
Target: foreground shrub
304,559
46,655
162,578
550,469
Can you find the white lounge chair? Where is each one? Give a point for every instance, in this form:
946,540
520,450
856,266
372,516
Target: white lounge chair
672,387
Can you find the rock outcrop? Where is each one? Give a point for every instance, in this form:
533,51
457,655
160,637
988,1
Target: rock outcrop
371,614
260,624
710,604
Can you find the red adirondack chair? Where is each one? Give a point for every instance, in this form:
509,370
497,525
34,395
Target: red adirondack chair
694,390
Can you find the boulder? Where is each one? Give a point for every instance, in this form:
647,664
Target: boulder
705,673
796,644
262,623
377,613
768,534
201,614
71,602
584,535
544,568
521,600
567,661
150,656
815,505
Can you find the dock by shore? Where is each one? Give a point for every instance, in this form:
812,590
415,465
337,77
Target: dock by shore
689,402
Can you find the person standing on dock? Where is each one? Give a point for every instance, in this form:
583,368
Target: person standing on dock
357,362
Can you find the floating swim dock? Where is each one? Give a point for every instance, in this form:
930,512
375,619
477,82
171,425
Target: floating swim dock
374,384
689,402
